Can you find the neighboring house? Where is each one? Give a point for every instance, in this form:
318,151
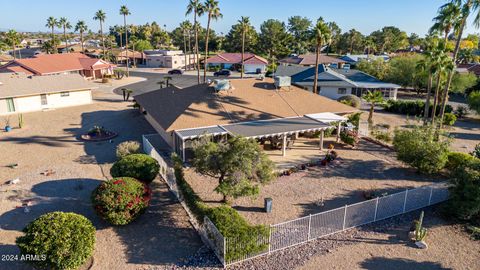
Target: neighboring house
21,93
309,60
54,64
472,68
335,83
5,58
248,107
233,61
135,58
353,59
33,41
168,59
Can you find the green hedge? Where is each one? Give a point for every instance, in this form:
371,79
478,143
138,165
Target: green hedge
457,159
412,107
66,240
139,166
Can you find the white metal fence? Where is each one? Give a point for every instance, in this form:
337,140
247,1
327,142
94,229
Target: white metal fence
298,231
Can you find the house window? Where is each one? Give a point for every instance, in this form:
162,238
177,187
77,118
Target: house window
10,105
65,94
342,91
43,97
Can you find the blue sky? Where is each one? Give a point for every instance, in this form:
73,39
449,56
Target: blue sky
363,15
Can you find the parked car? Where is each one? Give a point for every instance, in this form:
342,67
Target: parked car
175,71
223,72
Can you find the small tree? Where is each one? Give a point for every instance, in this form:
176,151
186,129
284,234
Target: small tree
474,101
239,165
464,200
422,148
374,98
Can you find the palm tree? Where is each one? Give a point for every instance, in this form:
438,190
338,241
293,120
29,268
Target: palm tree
213,11
100,16
448,18
185,26
81,27
125,12
245,26
195,7
12,38
444,65
322,37
167,80
52,23
372,97
63,22
369,44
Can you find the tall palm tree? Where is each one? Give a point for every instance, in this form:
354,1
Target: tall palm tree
372,97
213,12
101,16
322,36
466,7
444,65
195,7
12,38
52,23
185,26
369,44
245,26
65,24
448,18
125,12
81,27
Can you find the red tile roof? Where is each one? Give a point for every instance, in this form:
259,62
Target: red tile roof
44,64
236,58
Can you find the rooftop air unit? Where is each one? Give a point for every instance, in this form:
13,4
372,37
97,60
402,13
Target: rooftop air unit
283,81
221,85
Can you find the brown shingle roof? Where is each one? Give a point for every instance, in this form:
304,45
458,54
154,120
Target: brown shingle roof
250,99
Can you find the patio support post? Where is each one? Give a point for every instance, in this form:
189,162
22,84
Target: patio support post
183,150
284,145
322,134
338,131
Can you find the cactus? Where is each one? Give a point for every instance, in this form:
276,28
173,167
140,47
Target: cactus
20,121
420,232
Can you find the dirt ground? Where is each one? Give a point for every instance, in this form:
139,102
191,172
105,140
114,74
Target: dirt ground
367,167
162,237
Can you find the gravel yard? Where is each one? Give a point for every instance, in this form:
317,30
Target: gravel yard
365,168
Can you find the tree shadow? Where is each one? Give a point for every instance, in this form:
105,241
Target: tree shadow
465,136
380,263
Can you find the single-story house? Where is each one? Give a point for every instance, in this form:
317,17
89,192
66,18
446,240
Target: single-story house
168,59
135,58
55,64
253,63
21,93
353,59
335,83
309,60
248,107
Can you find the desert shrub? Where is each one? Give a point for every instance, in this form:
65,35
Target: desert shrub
449,119
420,148
461,111
233,226
349,138
66,240
382,135
464,200
350,100
138,166
127,148
476,151
456,159
119,201
355,119
412,107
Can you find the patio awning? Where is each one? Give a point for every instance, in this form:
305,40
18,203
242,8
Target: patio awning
327,117
269,128
193,133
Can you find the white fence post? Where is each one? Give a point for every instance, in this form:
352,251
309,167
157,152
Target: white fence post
431,193
405,201
376,208
309,226
344,216
270,239
224,252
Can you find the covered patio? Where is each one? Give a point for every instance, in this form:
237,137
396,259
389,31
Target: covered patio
279,137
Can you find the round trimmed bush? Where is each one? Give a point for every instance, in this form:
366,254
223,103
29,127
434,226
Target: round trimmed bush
449,119
58,240
457,159
350,100
138,166
119,201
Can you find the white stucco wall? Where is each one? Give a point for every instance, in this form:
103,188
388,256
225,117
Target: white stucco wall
332,92
3,107
249,68
167,136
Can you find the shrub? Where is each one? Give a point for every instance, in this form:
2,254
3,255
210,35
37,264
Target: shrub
65,239
127,148
412,107
457,159
350,100
138,166
349,138
461,111
382,135
420,148
119,201
355,119
464,200
474,101
233,226
449,119
476,151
